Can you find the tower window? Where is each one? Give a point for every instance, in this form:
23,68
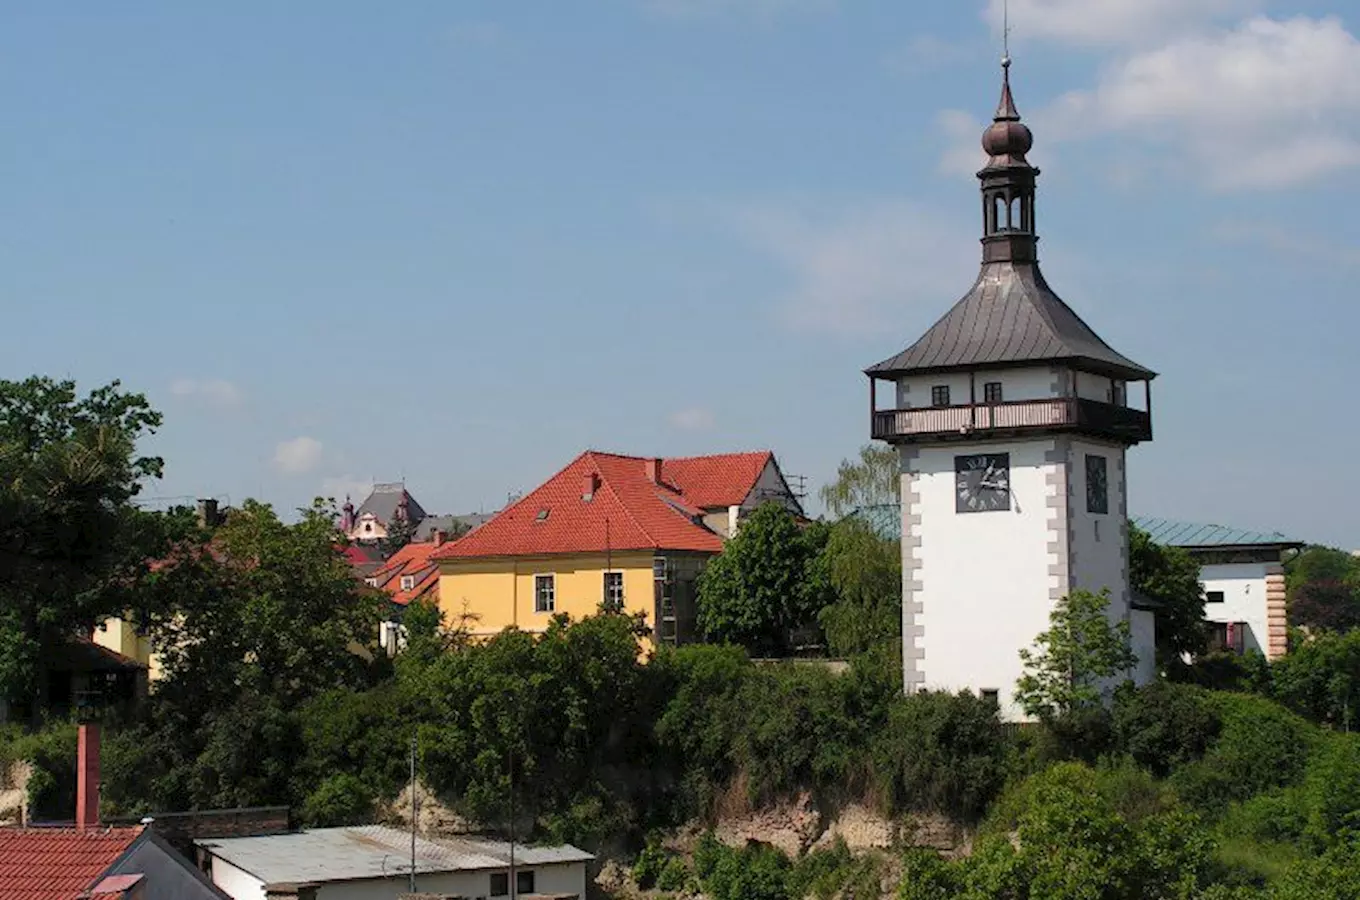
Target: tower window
939,395
991,392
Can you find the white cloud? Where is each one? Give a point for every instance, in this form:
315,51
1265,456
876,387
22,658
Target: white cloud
962,131
299,455
1108,22
694,419
214,391
341,486
760,9
1268,104
1316,250
853,271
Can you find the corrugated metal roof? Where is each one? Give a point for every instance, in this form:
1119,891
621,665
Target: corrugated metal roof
886,519
1189,534
1010,316
372,851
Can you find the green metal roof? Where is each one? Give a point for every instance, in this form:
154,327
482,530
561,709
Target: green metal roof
1189,534
886,519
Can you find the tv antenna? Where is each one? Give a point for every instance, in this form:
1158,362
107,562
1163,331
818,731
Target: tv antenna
1006,32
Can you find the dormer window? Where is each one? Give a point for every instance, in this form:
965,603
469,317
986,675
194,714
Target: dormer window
408,582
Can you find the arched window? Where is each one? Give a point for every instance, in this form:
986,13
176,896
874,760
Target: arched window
1000,213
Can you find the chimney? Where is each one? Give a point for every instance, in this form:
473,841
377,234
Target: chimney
87,776
654,470
589,485
207,513
438,537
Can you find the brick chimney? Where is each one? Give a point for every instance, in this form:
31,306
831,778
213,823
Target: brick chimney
589,485
654,470
87,776
438,537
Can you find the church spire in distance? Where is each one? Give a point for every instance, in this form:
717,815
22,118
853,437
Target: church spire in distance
1008,233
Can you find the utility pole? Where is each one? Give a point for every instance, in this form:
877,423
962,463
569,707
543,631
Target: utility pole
513,888
414,809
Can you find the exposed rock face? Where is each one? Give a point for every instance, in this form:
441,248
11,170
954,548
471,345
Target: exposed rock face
14,793
861,828
939,833
791,826
432,815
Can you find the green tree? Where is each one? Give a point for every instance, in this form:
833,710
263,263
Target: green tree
1072,663
865,573
760,587
400,531
72,540
874,479
1324,589
1320,679
1169,576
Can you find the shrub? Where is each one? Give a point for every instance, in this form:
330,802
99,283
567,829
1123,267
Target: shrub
1278,816
941,752
1261,746
1164,726
342,799
674,876
649,865
926,876
1332,788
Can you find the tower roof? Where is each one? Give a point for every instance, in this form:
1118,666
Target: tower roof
1010,316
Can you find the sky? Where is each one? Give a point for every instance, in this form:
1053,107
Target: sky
457,243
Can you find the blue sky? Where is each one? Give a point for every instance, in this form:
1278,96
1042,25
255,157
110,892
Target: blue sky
460,242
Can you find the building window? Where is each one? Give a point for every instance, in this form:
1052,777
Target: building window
1119,393
545,594
939,395
1097,484
659,568
371,582
991,696
408,582
524,882
368,528
500,884
1230,637
613,591
1213,596
991,392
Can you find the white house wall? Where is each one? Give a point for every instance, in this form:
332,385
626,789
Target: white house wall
236,883
1016,384
978,587
1244,598
1099,542
566,878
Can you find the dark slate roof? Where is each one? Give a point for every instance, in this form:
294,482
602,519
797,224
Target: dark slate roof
383,503
1010,316
1193,536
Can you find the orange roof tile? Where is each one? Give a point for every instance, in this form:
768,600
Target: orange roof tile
627,511
415,560
58,863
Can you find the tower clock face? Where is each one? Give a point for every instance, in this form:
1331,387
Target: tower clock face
982,482
1097,484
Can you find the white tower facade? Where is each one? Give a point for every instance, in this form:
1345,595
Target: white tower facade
1012,419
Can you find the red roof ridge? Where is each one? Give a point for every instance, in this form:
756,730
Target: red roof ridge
629,512
720,455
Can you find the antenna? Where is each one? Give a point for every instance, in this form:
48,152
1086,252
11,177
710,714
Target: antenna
1005,32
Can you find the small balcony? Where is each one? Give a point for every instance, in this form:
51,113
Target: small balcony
971,421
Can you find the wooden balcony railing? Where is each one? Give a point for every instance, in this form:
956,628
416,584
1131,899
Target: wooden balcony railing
1064,413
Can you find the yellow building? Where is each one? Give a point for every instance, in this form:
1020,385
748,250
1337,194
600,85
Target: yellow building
121,637
623,532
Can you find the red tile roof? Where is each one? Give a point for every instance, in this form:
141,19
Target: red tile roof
641,515
57,863
415,560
